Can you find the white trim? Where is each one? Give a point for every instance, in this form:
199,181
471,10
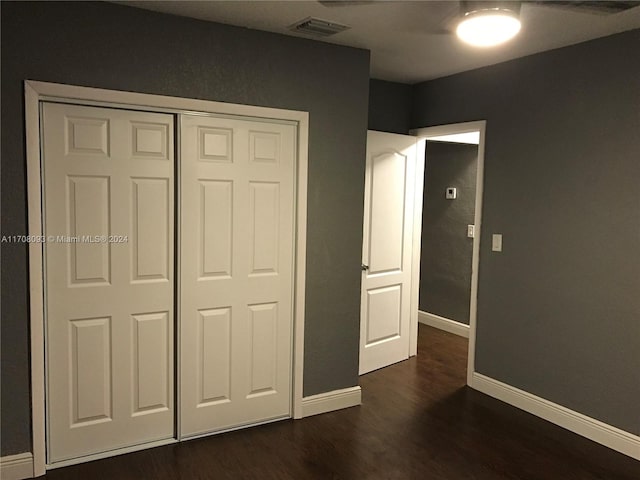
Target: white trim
36,277
111,453
449,129
330,401
472,138
600,432
152,102
301,265
416,248
481,126
16,467
37,91
443,323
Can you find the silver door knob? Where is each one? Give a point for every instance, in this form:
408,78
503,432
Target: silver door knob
364,267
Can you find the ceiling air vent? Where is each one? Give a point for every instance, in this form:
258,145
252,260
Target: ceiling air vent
317,27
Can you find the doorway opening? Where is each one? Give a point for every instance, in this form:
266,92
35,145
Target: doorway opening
396,205
451,229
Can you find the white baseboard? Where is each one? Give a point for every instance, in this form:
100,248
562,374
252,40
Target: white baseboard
330,401
16,467
600,432
442,323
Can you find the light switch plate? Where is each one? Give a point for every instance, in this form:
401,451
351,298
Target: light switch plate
471,231
496,242
452,193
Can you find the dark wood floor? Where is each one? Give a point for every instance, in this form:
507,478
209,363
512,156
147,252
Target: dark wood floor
417,421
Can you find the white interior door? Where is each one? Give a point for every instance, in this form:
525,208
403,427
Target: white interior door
387,249
237,246
109,301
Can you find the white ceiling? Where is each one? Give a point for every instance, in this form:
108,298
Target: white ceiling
408,40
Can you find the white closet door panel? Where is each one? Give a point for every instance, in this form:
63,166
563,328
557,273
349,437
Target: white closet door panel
237,211
109,306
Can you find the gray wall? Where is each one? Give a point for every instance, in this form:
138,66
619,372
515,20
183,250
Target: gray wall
559,308
446,254
117,47
389,106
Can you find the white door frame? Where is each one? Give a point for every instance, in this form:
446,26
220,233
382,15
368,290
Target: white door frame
36,92
466,127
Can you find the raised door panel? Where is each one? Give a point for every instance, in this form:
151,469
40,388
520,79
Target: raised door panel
263,333
151,369
150,229
87,136
215,228
214,365
90,371
264,219
383,314
387,208
215,144
88,220
264,147
150,140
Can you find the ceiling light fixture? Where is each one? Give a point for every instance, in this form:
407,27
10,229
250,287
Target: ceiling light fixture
486,24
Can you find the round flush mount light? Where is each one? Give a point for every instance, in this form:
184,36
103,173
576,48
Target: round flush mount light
488,27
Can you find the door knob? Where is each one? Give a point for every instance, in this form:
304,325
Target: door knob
364,267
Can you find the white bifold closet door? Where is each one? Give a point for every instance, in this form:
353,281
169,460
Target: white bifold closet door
109,301
236,243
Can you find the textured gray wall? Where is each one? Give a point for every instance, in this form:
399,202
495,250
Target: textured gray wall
117,47
389,106
559,308
446,254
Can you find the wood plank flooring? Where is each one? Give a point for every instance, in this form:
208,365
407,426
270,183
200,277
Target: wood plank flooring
417,421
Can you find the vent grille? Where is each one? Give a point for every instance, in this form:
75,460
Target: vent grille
317,27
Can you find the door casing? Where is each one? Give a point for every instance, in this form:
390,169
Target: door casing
35,92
